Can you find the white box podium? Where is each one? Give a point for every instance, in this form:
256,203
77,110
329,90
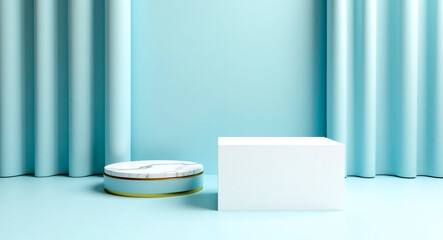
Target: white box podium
280,173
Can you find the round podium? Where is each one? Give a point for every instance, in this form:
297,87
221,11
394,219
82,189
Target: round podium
153,178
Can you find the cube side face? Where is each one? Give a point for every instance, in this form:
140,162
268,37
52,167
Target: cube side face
281,177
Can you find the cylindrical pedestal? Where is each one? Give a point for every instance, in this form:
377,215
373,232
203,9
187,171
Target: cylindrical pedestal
153,178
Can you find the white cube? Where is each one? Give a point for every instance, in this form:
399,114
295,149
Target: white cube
280,173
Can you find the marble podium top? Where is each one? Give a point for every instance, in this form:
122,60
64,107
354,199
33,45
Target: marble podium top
153,169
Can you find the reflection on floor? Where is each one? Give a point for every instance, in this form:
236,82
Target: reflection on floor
77,208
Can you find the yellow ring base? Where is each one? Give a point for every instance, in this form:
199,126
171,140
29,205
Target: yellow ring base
154,195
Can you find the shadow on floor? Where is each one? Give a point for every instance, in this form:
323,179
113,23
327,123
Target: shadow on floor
203,200
98,188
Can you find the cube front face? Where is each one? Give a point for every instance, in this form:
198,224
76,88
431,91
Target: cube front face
281,177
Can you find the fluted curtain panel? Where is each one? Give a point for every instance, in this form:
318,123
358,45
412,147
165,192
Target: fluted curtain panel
64,86
385,85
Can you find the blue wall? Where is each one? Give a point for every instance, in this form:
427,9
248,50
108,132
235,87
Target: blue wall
208,68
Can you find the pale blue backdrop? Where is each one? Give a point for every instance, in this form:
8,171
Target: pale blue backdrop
203,69
208,68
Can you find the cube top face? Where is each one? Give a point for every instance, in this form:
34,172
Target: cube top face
303,141
280,174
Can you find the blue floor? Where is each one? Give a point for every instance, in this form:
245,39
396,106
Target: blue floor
77,208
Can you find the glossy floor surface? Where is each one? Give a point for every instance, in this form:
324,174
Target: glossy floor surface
77,208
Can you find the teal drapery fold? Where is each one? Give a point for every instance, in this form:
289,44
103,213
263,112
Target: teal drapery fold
118,84
51,79
14,76
52,86
86,88
385,85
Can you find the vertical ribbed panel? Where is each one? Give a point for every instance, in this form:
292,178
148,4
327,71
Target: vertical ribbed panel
352,52
430,140
392,100
407,137
362,90
118,81
29,86
46,120
422,126
352,81
437,159
81,87
99,85
368,144
34,86
337,70
391,87
12,88
337,73
45,88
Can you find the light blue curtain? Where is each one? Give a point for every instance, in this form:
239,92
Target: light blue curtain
385,85
65,85
118,84
16,87
53,86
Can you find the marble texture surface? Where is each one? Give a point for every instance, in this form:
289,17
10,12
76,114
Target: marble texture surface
153,169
